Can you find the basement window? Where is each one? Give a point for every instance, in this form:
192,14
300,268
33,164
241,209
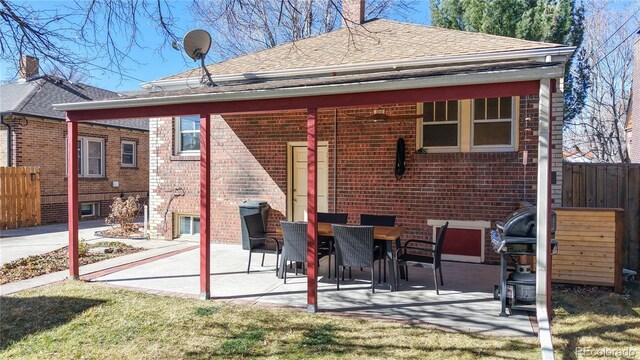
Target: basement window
89,209
188,225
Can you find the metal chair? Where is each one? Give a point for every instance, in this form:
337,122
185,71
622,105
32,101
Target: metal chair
258,240
433,260
295,243
325,243
354,247
379,220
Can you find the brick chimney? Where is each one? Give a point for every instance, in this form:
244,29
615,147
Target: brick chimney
28,67
634,148
352,12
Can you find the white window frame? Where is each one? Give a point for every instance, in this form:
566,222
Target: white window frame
135,150
83,161
480,225
512,120
94,209
178,139
179,222
422,124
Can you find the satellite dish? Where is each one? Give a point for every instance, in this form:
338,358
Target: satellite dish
197,44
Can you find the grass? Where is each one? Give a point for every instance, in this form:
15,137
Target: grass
57,260
82,320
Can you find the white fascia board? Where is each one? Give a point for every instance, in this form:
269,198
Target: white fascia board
504,76
560,53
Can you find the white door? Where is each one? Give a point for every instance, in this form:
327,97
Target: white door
299,181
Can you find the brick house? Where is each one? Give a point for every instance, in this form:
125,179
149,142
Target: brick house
469,172
114,156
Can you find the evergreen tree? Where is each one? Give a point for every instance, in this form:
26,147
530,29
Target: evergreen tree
556,21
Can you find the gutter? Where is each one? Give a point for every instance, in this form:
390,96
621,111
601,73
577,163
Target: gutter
551,72
333,70
8,138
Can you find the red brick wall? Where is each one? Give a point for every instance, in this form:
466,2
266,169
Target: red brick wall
42,143
249,162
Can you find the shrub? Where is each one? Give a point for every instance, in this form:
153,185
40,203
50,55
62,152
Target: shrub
123,213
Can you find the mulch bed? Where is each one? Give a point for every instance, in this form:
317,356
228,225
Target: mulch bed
117,233
58,260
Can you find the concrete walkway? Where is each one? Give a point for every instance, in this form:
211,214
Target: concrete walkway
465,304
155,250
19,243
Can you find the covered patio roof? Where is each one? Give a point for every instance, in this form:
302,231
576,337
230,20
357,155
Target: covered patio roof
442,80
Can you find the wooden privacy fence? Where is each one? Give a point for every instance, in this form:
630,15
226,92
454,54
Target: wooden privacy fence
19,197
608,186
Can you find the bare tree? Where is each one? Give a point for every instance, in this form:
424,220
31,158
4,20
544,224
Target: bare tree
76,34
609,37
244,26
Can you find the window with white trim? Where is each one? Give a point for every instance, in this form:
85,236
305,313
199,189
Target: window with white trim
493,123
187,134
128,153
188,225
91,157
89,209
440,125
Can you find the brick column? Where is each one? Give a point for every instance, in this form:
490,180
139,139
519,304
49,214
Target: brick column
557,109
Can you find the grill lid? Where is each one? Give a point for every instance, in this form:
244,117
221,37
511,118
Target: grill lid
522,223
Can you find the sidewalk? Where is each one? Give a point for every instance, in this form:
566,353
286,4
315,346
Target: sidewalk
156,250
23,242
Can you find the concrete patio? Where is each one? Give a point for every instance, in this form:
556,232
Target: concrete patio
465,303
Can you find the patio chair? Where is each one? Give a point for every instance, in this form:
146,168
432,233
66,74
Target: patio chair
432,259
379,220
325,243
295,243
258,240
354,247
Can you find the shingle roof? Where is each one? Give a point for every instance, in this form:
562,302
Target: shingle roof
374,41
360,78
36,96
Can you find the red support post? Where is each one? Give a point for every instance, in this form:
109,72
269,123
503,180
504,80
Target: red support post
312,214
72,198
550,164
205,206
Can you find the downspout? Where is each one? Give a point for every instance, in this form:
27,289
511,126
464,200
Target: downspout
8,139
335,160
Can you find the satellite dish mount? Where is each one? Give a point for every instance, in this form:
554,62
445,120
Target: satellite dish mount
196,45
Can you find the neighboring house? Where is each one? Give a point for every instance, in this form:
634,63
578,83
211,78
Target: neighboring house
628,128
464,157
113,155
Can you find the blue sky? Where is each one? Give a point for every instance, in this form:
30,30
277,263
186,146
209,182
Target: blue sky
152,63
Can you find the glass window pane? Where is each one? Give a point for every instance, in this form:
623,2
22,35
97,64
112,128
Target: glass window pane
127,148
492,108
190,123
452,110
505,108
95,166
441,111
185,225
190,141
127,159
94,148
428,111
86,209
478,109
196,225
79,157
440,135
498,133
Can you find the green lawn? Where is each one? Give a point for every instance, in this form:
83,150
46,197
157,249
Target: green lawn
80,320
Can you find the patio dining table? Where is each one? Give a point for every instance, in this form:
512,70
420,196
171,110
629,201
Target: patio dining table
388,234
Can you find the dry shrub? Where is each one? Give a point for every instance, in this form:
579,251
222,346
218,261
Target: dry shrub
123,213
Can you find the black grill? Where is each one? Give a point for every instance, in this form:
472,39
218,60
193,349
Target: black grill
516,236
